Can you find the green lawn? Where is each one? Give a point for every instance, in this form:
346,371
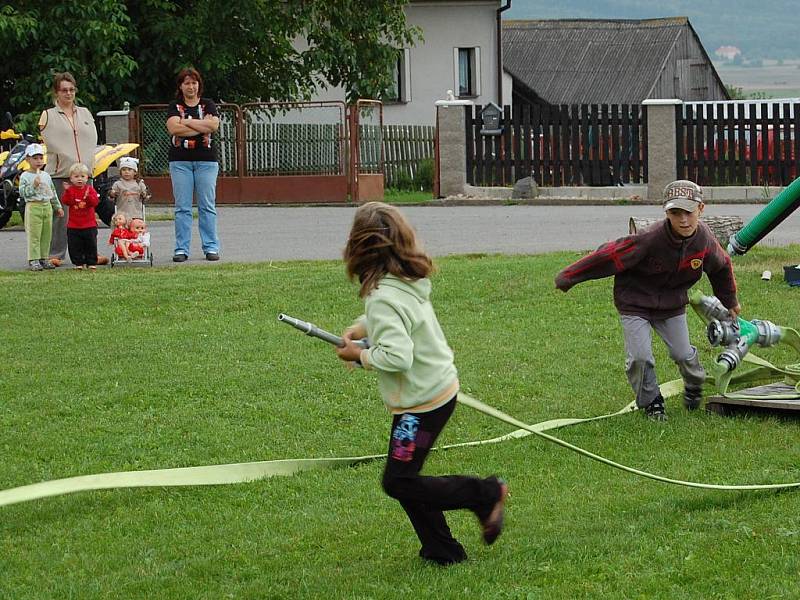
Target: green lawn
156,368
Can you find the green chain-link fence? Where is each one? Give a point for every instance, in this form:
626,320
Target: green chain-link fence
155,140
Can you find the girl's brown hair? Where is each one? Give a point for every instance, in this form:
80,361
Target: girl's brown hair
184,73
382,241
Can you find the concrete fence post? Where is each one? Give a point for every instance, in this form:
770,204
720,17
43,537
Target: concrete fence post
661,146
116,125
452,135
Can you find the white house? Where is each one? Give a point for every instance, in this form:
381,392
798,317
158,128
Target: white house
459,51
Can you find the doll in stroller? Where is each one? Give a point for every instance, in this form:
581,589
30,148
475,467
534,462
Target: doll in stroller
130,241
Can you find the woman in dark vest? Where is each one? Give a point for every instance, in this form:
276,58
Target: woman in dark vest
192,122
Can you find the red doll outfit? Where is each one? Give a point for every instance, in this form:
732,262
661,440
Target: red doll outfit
119,233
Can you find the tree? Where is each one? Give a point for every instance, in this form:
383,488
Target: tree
84,38
246,50
735,93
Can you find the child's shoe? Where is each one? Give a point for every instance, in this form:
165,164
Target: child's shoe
656,411
692,397
34,265
46,264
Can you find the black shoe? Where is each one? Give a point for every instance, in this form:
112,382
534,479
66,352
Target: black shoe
212,255
456,556
180,258
492,525
692,397
655,411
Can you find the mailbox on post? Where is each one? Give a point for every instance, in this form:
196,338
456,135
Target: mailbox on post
490,115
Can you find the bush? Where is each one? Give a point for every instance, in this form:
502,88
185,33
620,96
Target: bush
423,180
402,180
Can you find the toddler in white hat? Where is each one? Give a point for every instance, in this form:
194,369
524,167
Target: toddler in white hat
129,192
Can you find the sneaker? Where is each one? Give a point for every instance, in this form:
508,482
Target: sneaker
692,397
492,525
180,258
212,255
656,411
35,265
46,264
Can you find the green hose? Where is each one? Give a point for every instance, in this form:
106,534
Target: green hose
765,221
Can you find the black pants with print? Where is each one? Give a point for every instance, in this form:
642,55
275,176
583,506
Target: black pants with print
424,498
82,245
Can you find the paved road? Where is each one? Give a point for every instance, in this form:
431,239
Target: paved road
251,234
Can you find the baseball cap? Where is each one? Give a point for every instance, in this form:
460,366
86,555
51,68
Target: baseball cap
683,194
34,149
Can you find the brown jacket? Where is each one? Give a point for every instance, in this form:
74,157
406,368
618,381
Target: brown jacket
654,270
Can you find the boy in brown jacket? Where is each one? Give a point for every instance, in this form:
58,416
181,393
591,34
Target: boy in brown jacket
653,272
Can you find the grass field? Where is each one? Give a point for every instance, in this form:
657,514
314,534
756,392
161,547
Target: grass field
147,369
772,80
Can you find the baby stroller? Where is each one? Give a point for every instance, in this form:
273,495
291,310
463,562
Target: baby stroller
139,248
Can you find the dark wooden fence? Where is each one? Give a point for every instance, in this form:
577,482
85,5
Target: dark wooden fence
559,145
738,143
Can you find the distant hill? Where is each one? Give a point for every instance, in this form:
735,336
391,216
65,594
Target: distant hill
761,30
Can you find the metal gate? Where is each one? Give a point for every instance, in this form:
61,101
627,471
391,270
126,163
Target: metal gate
280,152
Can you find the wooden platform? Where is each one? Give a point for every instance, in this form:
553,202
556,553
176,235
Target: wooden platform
729,406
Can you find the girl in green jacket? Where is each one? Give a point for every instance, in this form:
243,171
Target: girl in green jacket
416,377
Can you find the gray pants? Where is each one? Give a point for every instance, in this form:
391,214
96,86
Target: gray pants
58,243
640,363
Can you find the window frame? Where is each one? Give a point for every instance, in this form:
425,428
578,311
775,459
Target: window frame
473,63
402,80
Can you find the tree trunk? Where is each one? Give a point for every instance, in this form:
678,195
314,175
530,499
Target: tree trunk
722,227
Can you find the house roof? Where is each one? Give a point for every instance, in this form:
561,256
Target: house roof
576,61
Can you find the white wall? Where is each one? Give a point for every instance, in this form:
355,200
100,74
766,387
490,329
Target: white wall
445,26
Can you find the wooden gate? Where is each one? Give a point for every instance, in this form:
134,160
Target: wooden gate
563,145
738,142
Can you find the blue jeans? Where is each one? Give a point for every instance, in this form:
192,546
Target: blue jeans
191,178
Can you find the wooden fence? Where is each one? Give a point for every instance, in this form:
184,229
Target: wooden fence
560,145
736,143
406,148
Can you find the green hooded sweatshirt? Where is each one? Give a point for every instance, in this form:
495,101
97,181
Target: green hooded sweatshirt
409,352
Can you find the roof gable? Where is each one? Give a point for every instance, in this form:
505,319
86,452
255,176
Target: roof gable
579,61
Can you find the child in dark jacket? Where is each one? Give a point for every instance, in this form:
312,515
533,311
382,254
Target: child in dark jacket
653,272
416,377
